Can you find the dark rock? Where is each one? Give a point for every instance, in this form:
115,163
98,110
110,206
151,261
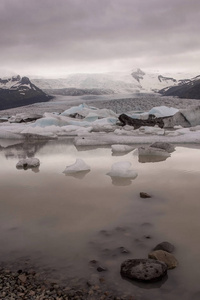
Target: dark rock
144,195
146,270
101,269
137,123
165,257
123,250
165,246
189,89
17,91
148,237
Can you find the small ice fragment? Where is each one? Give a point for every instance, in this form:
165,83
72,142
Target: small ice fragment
122,170
121,148
78,166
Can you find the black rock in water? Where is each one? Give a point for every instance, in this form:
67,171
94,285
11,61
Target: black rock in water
144,195
165,246
146,270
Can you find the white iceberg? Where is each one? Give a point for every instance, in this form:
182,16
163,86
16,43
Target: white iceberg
117,148
151,130
28,163
78,166
84,110
163,111
122,170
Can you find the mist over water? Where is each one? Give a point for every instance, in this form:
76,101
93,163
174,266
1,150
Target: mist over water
60,223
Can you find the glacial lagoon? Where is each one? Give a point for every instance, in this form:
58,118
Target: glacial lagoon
58,223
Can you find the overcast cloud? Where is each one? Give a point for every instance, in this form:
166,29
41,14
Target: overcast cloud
54,37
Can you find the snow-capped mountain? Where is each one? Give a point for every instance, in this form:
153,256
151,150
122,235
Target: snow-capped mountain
188,88
113,82
118,83
17,91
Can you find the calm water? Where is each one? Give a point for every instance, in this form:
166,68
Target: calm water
59,223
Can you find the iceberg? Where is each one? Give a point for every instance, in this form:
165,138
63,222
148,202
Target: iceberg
78,166
84,110
163,111
117,148
152,154
152,151
122,170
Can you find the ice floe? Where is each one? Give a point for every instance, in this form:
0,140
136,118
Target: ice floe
101,127
122,170
152,154
78,166
121,148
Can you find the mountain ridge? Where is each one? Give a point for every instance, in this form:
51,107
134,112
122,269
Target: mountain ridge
18,91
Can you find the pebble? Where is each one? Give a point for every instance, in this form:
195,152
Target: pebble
144,195
165,257
145,270
165,246
29,285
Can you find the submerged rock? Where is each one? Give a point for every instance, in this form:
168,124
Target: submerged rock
144,195
28,163
165,246
146,270
165,257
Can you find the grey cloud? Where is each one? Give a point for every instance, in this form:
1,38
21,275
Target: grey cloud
47,32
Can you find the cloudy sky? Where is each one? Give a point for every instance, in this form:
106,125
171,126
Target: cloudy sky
55,37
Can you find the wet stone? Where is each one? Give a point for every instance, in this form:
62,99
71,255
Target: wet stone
165,257
146,270
144,195
165,246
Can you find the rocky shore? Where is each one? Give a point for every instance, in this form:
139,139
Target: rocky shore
29,285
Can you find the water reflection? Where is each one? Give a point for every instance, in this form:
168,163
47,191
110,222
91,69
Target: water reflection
51,219
147,286
151,158
78,175
22,149
121,181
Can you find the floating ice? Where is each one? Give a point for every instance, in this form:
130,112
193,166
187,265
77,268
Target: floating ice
117,148
122,170
84,110
151,151
163,111
152,130
192,115
164,146
78,166
152,154
28,163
